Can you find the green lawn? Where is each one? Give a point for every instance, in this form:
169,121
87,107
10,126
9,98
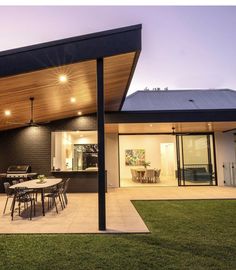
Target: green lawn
184,235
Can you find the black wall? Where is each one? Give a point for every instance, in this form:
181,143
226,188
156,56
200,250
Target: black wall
32,145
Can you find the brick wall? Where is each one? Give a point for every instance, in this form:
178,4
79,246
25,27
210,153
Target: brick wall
32,145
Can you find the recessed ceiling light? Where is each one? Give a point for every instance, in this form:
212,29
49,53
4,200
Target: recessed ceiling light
150,125
72,99
7,113
79,113
63,78
81,136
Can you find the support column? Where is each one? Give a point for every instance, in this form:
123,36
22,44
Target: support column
101,146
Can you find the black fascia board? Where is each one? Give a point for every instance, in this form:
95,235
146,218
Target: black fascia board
70,50
220,115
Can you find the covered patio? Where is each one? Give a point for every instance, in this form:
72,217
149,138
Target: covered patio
77,76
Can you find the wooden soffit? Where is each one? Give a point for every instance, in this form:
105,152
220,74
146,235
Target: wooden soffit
35,71
185,127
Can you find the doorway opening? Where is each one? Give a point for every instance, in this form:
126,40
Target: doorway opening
147,160
196,160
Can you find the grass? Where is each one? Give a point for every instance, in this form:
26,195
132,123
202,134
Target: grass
185,235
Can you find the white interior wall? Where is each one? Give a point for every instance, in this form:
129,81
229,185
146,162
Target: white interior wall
63,151
90,138
57,150
225,152
152,146
112,160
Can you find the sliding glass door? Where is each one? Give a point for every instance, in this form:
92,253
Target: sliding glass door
195,160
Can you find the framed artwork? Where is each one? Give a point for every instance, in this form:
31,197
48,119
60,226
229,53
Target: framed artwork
134,157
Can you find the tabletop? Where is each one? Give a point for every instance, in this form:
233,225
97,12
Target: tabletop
141,169
34,184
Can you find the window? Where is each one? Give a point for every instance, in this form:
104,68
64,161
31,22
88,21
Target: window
74,151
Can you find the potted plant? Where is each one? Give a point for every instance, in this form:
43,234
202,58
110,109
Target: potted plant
146,164
41,178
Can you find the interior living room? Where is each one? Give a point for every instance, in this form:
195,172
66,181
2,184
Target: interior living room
153,154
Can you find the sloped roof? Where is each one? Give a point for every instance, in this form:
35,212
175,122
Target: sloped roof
34,71
208,99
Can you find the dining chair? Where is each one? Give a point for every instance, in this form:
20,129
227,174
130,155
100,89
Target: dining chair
138,176
134,175
64,191
149,176
22,195
14,182
157,175
57,192
52,198
10,194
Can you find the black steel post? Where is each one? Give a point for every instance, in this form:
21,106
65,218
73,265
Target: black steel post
101,146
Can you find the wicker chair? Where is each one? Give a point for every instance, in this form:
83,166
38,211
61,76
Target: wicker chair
134,175
157,175
149,176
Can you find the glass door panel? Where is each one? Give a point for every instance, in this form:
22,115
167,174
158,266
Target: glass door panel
195,160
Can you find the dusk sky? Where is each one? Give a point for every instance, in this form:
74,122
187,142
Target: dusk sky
183,47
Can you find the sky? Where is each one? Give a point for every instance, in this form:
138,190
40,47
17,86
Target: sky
182,47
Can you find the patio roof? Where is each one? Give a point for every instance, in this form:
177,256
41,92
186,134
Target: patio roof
35,70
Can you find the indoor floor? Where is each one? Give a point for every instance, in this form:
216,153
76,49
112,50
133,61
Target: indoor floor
165,181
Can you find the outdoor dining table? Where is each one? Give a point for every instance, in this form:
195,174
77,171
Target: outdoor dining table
39,187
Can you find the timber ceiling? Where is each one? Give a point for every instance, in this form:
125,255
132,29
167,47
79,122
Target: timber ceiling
53,99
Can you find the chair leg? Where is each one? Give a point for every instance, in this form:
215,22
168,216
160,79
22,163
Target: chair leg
27,209
34,209
62,207
11,204
50,202
13,207
5,205
31,206
65,197
54,199
19,208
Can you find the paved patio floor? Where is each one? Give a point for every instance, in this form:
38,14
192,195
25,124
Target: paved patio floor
81,214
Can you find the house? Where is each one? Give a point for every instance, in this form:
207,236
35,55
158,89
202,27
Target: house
65,114
202,122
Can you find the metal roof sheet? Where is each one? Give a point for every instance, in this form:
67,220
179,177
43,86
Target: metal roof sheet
161,100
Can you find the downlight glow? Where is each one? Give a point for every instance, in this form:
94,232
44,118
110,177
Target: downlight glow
63,78
72,99
7,113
